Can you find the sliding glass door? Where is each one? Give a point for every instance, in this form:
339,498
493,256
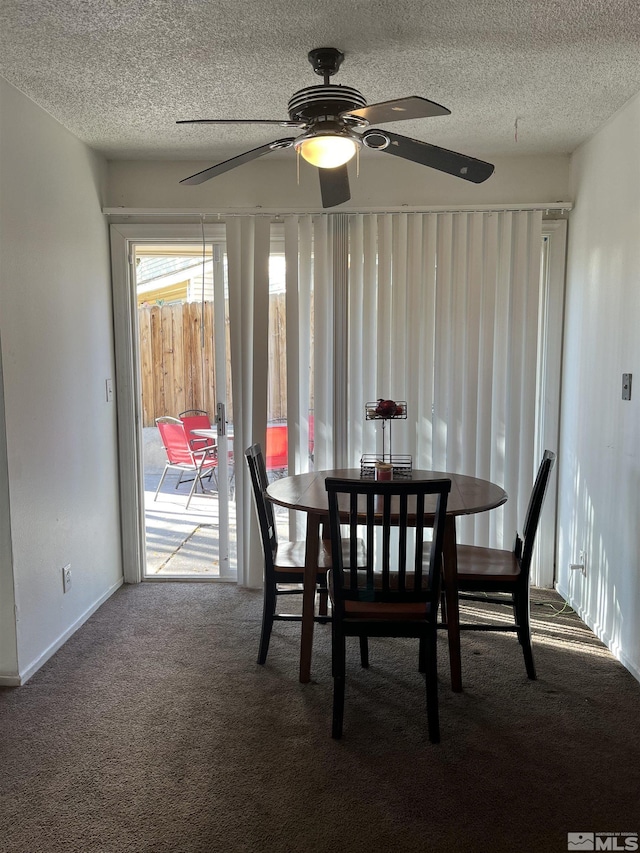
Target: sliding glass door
183,366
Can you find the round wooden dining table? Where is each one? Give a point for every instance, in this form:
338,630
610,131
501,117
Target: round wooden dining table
307,493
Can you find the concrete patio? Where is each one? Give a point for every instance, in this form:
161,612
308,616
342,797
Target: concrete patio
182,542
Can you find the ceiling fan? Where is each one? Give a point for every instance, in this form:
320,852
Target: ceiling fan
335,121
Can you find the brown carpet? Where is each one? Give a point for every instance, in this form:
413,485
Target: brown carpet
154,730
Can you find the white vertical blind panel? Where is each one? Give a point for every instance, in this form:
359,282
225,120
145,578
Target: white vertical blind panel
485,445
501,426
295,425
383,320
368,333
413,334
298,248
340,336
517,370
470,368
239,314
457,343
260,337
248,258
426,335
442,371
517,331
323,341
473,367
356,378
532,262
305,284
399,340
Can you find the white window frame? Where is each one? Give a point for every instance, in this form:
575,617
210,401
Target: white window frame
123,238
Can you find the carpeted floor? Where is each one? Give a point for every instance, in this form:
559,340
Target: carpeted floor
153,729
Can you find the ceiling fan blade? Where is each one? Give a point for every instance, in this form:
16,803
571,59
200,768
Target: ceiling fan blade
399,110
227,165
334,186
281,122
441,159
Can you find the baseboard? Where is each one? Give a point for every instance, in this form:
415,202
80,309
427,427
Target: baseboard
9,681
25,674
613,647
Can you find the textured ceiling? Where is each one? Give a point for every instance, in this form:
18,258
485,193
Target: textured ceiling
118,74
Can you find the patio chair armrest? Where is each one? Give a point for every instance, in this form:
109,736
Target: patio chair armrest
204,452
200,443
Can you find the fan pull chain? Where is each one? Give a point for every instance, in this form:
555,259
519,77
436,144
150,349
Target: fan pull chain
298,166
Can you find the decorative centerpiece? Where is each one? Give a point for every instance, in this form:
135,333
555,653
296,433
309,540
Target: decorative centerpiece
385,466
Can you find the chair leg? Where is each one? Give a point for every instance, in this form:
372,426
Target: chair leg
521,608
164,474
192,490
323,597
338,665
422,656
268,609
433,714
364,652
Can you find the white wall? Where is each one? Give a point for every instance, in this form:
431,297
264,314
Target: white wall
57,350
8,641
599,458
384,182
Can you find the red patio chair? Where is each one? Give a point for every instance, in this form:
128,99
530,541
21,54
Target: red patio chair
182,457
197,419
277,456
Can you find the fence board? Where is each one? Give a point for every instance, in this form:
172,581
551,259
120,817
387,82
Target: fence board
146,366
176,373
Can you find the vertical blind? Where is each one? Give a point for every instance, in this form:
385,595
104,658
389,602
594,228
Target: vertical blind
248,246
455,335
441,310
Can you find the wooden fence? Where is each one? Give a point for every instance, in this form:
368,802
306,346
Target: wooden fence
178,373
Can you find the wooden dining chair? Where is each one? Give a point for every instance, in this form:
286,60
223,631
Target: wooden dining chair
494,576
396,594
283,561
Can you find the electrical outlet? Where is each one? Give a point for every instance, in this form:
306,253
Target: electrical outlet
66,577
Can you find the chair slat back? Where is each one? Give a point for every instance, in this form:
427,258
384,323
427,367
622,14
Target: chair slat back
534,509
266,519
196,419
189,413
396,569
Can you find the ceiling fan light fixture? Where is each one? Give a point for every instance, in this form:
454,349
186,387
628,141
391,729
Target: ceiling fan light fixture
327,150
